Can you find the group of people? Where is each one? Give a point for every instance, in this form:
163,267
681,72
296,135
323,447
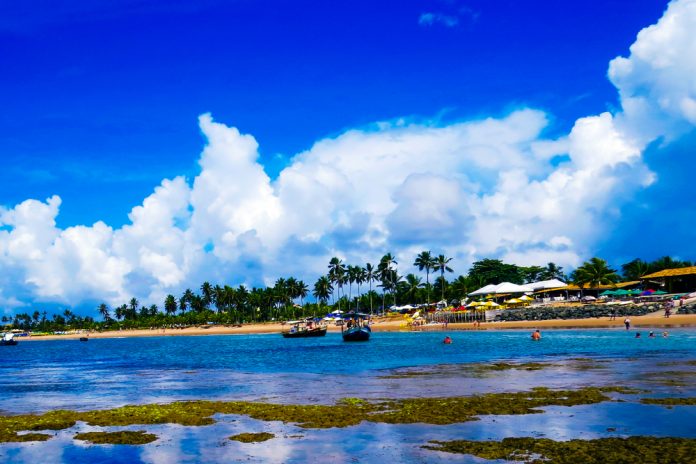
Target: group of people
652,334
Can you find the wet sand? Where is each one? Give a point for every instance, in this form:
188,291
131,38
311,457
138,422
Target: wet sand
397,324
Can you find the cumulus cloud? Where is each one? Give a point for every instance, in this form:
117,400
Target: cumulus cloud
471,189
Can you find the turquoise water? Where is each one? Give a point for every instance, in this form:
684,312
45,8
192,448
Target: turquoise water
44,375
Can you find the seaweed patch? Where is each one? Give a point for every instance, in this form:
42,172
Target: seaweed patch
598,451
345,413
125,437
252,437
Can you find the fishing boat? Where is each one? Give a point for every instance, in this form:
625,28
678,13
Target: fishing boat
303,329
8,340
356,327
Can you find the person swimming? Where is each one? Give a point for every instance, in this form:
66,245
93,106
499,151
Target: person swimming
536,335
651,334
637,334
447,340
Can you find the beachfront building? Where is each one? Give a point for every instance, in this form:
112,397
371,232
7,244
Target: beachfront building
575,293
678,280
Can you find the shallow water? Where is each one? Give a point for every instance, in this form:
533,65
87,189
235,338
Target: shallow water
103,373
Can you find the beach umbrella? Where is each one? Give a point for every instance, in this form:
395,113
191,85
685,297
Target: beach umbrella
525,298
607,293
634,292
659,292
513,301
621,292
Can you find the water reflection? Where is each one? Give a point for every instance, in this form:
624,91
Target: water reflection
40,379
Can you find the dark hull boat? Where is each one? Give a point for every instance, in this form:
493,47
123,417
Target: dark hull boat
317,332
357,334
357,327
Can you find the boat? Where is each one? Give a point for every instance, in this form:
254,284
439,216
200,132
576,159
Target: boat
304,329
8,340
356,328
84,339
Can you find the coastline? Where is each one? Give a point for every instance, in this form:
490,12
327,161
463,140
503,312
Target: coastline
395,325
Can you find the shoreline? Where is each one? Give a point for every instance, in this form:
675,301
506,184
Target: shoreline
394,325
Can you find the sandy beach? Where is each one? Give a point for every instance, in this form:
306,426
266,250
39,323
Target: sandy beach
394,325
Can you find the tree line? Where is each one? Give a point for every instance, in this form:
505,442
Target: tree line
347,287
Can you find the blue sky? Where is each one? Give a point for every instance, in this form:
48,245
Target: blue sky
101,103
100,100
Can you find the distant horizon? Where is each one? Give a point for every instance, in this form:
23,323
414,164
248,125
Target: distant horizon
525,133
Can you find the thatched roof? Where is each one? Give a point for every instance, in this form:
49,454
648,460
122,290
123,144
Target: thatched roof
680,271
598,287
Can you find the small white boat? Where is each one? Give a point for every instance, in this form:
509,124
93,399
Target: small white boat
8,340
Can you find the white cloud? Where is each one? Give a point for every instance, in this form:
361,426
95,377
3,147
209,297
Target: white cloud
470,189
428,19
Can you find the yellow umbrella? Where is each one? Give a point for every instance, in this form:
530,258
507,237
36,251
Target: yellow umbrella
526,298
513,301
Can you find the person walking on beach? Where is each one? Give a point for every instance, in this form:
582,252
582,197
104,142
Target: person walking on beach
627,323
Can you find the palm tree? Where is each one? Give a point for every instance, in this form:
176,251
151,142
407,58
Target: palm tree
460,287
635,269
413,284
352,274
207,294
370,276
359,279
336,274
593,273
552,271
103,311
425,261
302,291
388,275
170,305
441,265
322,289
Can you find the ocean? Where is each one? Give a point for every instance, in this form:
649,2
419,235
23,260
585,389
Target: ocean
40,376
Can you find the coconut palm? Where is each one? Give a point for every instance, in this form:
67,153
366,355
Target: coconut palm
425,261
206,294
336,275
593,273
359,279
322,289
388,275
103,311
635,269
441,265
170,305
413,284
370,276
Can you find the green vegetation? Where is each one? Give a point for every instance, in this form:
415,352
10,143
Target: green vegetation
347,412
670,401
224,304
599,451
126,437
252,437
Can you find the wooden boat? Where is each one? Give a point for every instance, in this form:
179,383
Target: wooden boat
8,340
304,329
84,339
356,328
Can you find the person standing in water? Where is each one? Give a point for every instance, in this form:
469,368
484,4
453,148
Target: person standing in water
627,323
536,335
